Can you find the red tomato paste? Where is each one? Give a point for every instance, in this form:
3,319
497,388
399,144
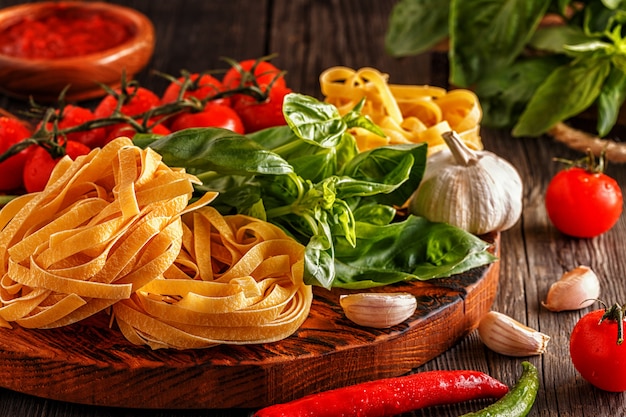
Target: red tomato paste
63,31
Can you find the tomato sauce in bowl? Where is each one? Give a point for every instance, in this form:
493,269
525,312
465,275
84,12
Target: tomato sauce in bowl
64,31
49,46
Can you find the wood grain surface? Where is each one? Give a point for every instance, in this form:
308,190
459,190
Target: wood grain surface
91,363
309,36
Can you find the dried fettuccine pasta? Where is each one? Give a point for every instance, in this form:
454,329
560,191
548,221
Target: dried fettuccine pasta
105,225
405,113
237,280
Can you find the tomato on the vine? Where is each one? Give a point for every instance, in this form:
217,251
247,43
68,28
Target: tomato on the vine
582,201
138,100
41,163
125,129
199,86
12,131
72,116
213,115
253,72
257,115
596,350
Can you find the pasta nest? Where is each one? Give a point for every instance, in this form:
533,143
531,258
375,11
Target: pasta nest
114,231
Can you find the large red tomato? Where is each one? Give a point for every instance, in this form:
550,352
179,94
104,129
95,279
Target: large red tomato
583,202
596,351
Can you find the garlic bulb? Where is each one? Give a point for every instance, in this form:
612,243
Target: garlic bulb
379,310
576,289
507,336
474,190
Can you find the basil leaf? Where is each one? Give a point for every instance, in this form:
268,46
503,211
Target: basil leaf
401,166
569,90
554,38
416,26
412,249
610,101
487,35
313,120
215,149
505,94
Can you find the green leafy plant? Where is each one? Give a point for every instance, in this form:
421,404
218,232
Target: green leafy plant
528,74
309,178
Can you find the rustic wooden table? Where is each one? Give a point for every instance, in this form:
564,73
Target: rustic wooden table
310,36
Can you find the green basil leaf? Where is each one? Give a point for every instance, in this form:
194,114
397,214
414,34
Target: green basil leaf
505,94
215,149
313,120
610,101
569,90
412,249
401,166
554,38
416,26
487,35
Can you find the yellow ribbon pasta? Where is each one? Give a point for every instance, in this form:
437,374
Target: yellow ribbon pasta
237,280
405,113
114,230
104,226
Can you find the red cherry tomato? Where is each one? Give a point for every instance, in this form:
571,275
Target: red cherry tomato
596,353
583,203
260,115
140,100
199,87
74,116
213,115
12,131
124,129
40,164
253,71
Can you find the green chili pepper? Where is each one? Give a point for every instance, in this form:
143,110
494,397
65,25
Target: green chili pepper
518,401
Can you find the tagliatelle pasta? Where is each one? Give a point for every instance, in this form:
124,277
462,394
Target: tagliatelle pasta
104,226
115,230
405,113
237,280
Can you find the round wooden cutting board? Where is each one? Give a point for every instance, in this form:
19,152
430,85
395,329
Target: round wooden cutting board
92,363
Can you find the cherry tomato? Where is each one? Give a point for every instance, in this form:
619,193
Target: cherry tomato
253,71
12,131
74,116
583,202
41,163
140,101
213,115
257,115
595,351
124,129
200,87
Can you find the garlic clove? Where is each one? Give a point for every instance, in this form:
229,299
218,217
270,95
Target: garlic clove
379,310
576,289
507,336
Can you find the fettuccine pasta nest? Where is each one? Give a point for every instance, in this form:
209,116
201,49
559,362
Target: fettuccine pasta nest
405,113
115,231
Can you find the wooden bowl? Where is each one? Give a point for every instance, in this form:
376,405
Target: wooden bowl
45,78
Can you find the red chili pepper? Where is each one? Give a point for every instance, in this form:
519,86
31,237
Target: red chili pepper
392,396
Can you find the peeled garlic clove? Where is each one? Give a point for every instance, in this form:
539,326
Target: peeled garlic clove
507,336
576,289
379,310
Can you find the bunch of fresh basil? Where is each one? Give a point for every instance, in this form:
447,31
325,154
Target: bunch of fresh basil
310,179
528,76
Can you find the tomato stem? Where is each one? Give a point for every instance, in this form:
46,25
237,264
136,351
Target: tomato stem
615,312
588,162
